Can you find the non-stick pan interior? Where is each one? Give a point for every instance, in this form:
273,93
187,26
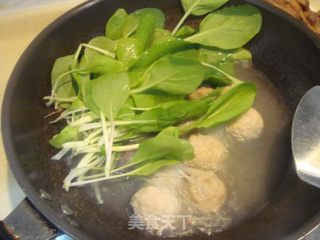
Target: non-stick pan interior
281,51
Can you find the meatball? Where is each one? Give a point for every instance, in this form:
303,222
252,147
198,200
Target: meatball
153,201
169,178
247,127
206,190
200,93
210,152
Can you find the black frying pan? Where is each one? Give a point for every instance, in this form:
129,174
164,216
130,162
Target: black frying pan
284,50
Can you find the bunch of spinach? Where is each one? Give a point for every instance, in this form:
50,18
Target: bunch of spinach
128,90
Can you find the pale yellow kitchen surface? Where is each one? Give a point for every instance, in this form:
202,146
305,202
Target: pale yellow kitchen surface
315,5
17,30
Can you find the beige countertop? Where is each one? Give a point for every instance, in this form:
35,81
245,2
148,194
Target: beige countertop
17,30
315,5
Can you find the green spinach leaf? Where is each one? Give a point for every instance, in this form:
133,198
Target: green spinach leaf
224,60
145,30
151,100
77,104
229,28
228,106
100,42
170,131
197,8
185,31
133,20
160,35
152,167
201,7
126,112
136,77
67,134
169,114
116,23
79,76
173,75
60,81
163,147
110,93
86,92
128,51
217,79
217,56
160,50
192,54
104,65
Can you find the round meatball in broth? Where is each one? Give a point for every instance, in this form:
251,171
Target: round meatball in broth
210,152
247,127
207,190
152,201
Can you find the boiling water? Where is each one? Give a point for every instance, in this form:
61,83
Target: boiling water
255,169
252,172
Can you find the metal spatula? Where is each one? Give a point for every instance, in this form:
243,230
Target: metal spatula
305,137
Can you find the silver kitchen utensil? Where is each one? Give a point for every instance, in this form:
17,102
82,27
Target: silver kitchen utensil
305,137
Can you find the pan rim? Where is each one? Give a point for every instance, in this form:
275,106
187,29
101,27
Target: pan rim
32,195
15,166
